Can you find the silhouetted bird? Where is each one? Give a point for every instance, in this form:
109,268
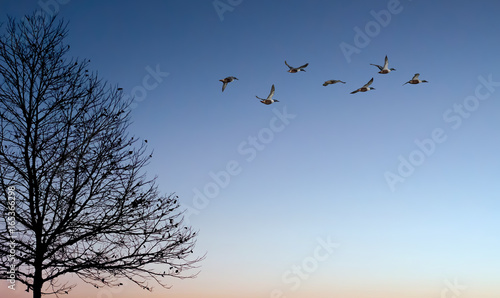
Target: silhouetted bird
415,80
269,100
332,82
386,68
365,87
296,69
226,81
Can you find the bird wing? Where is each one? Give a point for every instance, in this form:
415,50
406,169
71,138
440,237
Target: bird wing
379,67
224,86
415,77
288,65
355,91
386,63
271,94
260,98
406,83
304,66
369,83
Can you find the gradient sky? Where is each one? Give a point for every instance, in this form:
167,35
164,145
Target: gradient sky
319,175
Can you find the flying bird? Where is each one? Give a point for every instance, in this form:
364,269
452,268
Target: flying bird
332,82
365,87
269,100
386,68
415,80
226,81
296,69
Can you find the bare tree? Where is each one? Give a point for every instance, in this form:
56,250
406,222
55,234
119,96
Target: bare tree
78,201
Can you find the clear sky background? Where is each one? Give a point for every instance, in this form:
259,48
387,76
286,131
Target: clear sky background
321,174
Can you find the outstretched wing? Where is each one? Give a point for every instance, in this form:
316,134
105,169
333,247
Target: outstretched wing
415,77
224,86
355,91
386,63
304,66
288,65
369,83
260,98
271,94
379,67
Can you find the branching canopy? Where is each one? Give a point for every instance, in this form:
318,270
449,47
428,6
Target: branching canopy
82,203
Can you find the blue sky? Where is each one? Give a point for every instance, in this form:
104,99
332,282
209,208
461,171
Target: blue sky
321,172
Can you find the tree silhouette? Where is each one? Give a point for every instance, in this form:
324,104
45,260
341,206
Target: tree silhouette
75,200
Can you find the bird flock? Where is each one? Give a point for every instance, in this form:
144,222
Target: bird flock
382,70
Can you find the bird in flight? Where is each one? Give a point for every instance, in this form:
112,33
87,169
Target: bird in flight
386,68
364,88
415,80
226,81
269,100
296,69
332,82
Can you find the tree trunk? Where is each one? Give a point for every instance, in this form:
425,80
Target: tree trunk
37,282
38,278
